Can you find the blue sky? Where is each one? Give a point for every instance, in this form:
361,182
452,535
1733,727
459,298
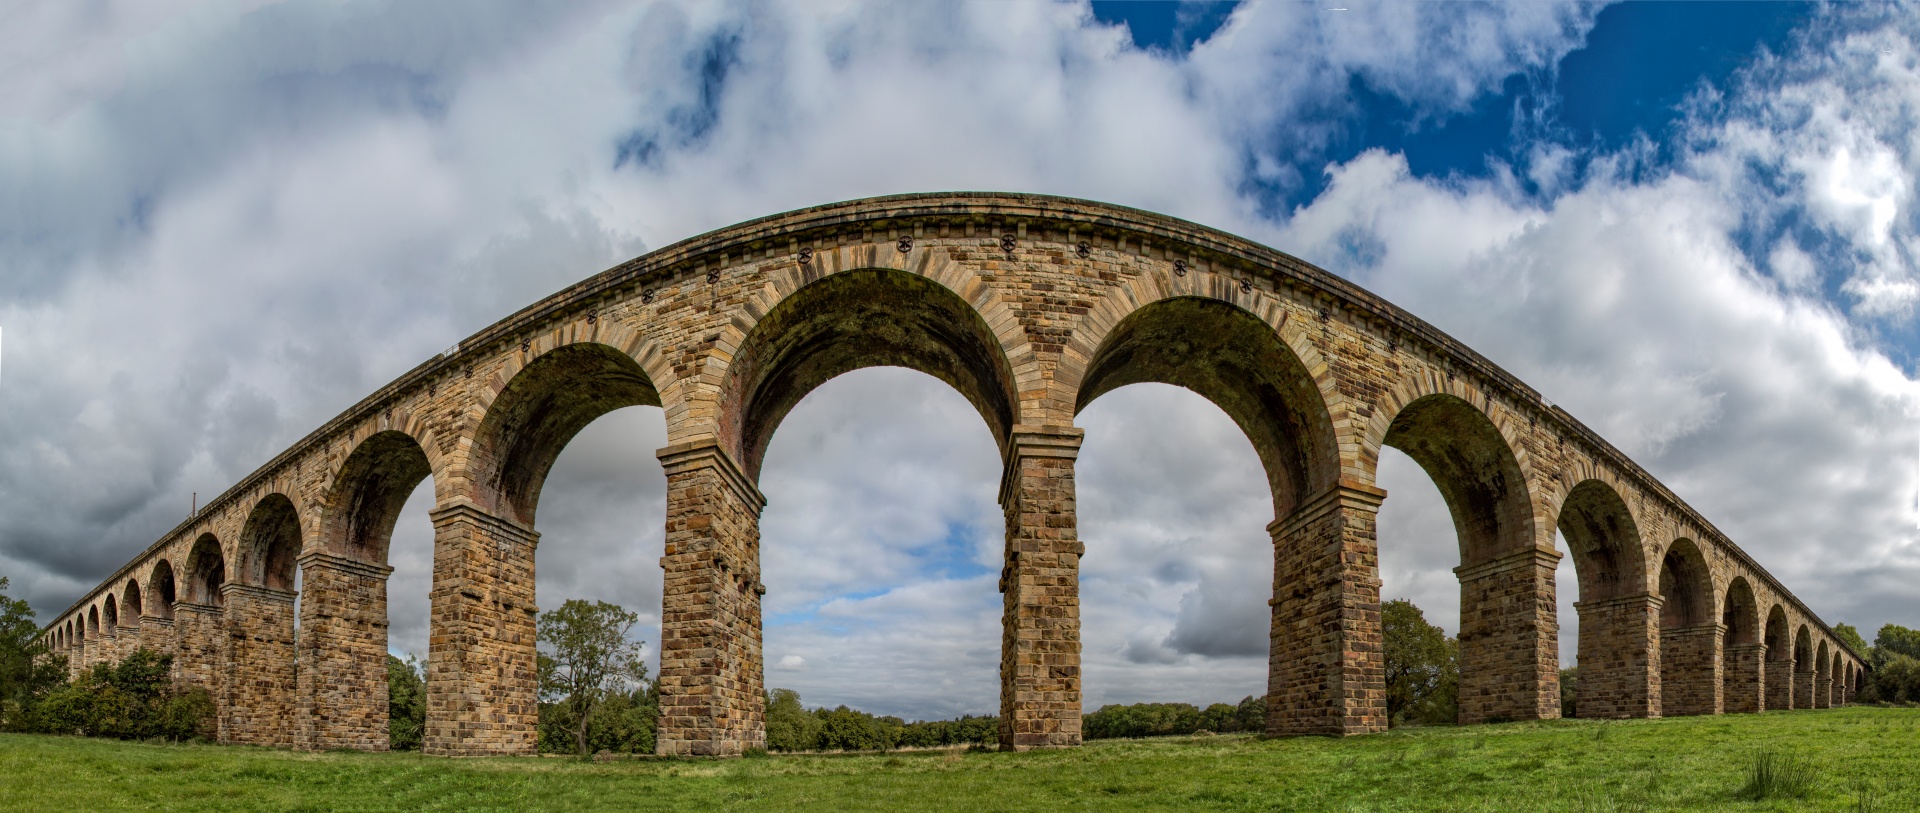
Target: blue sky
1692,225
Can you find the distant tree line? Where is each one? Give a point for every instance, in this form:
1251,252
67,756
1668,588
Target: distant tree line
1895,661
791,727
1174,719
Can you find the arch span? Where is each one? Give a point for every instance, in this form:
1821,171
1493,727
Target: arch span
1030,306
1743,668
1691,635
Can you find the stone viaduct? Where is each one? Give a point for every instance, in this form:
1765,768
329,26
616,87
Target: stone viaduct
1031,307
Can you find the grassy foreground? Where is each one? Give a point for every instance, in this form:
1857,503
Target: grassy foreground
1675,764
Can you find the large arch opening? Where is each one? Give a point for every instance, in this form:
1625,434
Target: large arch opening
924,534
1743,667
1240,364
264,680
133,601
160,580
111,619
1464,456
1690,634
206,572
587,396
1823,661
341,647
1616,632
1803,668
1174,507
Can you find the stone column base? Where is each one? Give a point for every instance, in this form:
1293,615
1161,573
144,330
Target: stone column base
1509,638
1745,672
1040,589
482,667
1326,673
1619,662
342,680
1690,679
261,683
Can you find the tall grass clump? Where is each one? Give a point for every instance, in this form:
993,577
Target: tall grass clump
1777,776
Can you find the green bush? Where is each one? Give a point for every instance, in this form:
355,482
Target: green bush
406,704
1777,776
791,727
1423,667
1174,719
134,699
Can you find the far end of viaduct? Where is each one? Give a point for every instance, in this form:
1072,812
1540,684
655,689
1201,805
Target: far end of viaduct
1031,307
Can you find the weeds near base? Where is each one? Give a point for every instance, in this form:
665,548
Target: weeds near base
1595,801
1777,776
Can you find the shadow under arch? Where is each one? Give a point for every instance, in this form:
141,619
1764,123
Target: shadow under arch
263,681
1619,622
865,317
484,582
160,584
133,601
1241,364
1823,661
541,408
1508,669
1743,664
830,325
1690,634
341,695
1803,668
206,572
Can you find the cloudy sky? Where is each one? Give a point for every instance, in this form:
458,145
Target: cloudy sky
1694,227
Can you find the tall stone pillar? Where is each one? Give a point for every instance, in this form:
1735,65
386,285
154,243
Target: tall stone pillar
1040,591
1823,691
1509,638
483,678
342,695
261,684
1803,686
1780,684
1690,677
711,675
199,638
1326,673
1619,657
129,638
1745,669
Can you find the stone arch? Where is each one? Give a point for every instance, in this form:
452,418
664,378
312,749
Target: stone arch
160,584
1508,665
1743,659
134,601
986,315
1823,662
111,615
1449,429
1604,538
1803,667
1619,653
852,319
1324,569
533,415
206,571
364,502
269,544
1686,586
1238,361
93,623
1069,387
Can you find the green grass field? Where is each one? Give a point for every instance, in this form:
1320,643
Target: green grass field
1859,759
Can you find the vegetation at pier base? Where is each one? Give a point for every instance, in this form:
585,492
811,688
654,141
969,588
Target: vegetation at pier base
1826,759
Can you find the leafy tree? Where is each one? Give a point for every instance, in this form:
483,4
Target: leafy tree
1894,638
1569,686
133,699
1423,672
789,726
1851,637
406,703
846,729
27,670
587,657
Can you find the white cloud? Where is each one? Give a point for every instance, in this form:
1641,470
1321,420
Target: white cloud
223,224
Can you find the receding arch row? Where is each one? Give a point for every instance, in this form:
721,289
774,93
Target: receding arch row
1031,307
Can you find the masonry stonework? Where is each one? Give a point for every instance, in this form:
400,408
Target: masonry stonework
1032,307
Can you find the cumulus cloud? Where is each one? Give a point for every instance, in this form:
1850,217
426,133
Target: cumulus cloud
225,222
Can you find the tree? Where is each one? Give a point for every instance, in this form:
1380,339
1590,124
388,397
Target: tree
1851,637
789,726
1423,676
133,699
406,703
586,657
1896,639
27,670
